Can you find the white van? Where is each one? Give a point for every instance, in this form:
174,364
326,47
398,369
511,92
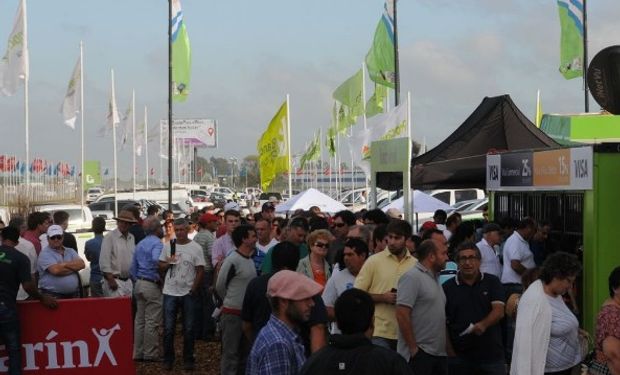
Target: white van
452,196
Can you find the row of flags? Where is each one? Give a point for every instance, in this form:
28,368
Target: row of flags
10,164
14,69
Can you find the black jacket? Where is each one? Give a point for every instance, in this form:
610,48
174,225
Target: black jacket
354,354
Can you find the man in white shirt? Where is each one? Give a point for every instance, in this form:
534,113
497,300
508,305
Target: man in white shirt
517,256
264,242
183,266
355,254
490,239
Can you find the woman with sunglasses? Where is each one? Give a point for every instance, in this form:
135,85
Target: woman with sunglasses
315,265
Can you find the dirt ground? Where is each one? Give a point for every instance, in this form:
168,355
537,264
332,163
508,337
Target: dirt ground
207,359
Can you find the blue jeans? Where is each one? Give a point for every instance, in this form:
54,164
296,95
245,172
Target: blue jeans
385,343
10,335
171,308
463,366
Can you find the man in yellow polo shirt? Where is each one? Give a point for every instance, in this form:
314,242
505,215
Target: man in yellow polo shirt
379,277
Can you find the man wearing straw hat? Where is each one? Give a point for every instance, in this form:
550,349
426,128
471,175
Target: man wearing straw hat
116,254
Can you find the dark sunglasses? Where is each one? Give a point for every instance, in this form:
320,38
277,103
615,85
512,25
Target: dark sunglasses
57,237
321,244
339,225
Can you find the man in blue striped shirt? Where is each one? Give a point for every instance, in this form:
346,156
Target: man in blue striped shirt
147,292
278,349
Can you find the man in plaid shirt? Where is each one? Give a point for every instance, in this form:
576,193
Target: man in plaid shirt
278,349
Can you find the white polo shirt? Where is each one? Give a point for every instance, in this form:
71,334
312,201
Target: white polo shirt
516,248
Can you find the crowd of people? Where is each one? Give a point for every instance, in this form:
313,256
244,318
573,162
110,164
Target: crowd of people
361,293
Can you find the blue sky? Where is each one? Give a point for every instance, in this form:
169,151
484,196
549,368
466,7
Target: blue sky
247,55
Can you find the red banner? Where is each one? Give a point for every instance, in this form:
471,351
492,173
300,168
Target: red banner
82,336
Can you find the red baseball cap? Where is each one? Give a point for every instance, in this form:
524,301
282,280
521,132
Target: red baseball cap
206,218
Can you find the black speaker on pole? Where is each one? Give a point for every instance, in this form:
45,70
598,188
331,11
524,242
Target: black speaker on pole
604,79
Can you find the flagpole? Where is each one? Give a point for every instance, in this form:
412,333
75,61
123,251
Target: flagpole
288,143
161,152
585,57
146,146
114,143
170,104
396,65
364,117
407,194
133,141
82,178
26,101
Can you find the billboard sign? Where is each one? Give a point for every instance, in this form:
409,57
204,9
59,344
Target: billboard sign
194,132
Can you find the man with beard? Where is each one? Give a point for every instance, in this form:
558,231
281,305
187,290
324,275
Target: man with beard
147,292
278,349
421,313
379,277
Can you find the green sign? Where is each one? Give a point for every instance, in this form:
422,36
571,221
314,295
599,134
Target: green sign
390,156
92,173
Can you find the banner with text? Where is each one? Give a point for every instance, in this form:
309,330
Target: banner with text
82,336
194,132
561,169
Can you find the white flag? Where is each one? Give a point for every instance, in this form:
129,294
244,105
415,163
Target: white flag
14,64
71,104
140,139
126,130
391,125
163,139
112,117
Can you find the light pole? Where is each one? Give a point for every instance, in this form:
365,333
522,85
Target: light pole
232,173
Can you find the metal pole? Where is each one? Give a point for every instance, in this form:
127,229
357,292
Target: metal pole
146,146
288,143
83,177
133,141
396,67
585,57
170,104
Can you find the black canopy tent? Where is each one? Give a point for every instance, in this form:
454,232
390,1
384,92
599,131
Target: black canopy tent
460,160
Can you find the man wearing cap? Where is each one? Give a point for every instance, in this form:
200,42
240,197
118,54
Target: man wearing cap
236,273
147,292
224,245
278,348
58,267
205,326
115,258
490,239
15,270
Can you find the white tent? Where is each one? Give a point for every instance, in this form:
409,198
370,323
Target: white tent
422,202
309,198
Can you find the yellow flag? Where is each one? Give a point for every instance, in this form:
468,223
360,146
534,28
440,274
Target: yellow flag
273,148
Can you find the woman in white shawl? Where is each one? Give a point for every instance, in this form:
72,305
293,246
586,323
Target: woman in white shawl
547,332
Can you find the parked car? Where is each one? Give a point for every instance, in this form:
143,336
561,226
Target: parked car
80,219
226,191
453,196
179,209
93,193
218,199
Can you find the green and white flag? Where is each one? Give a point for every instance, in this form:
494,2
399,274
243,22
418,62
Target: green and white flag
181,54
14,66
71,104
571,43
380,57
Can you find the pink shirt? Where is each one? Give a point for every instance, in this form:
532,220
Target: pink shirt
34,238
